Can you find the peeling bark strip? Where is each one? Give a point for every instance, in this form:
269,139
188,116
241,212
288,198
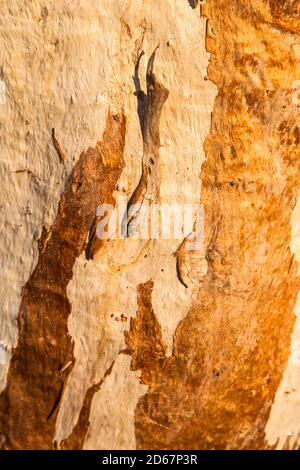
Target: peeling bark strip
37,374
151,108
217,389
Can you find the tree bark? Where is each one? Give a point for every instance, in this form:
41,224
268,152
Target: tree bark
130,343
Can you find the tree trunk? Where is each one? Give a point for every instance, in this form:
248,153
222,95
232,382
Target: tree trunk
149,342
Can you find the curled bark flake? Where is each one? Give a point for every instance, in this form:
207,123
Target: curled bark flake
153,102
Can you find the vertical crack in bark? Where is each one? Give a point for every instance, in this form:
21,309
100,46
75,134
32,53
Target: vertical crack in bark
150,106
38,369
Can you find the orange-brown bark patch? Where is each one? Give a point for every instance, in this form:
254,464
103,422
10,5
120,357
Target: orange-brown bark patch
217,389
36,378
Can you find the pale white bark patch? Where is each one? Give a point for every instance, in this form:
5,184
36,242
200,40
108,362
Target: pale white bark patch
284,417
112,412
2,92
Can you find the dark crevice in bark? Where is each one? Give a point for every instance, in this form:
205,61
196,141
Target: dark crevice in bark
59,150
150,107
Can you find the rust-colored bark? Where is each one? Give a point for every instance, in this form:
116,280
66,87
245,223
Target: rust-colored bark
286,14
216,389
35,384
230,351
144,340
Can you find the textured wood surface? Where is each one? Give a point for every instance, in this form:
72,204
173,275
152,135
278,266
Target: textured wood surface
128,343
